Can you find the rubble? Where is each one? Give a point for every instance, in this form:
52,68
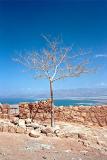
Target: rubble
21,123
87,125
34,133
47,130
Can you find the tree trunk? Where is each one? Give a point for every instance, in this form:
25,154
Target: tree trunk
52,104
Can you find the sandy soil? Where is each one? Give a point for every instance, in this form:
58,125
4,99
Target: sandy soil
22,147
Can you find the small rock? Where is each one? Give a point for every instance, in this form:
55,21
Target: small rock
44,157
85,143
82,136
34,134
15,120
47,130
34,125
28,129
28,121
67,151
20,130
98,142
57,131
21,123
50,135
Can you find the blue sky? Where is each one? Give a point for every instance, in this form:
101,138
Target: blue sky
81,22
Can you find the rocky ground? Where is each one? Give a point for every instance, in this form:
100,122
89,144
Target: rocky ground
33,141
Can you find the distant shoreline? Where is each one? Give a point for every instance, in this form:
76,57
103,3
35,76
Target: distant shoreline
58,102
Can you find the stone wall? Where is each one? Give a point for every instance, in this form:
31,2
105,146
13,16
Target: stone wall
40,110
6,112
89,115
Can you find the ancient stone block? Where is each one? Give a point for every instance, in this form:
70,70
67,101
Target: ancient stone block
20,130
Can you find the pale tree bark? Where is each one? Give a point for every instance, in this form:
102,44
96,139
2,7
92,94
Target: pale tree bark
52,104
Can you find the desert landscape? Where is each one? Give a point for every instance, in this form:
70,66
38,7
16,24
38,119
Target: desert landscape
53,79
83,136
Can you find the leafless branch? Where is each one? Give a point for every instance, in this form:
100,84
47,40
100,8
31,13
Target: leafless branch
55,62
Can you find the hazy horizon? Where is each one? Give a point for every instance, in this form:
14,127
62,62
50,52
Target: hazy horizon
63,94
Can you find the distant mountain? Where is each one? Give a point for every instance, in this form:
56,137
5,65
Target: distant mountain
82,92
79,93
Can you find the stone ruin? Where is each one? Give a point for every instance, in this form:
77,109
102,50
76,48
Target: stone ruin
40,111
88,115
6,112
34,119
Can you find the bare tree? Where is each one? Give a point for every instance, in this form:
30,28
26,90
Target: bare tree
55,62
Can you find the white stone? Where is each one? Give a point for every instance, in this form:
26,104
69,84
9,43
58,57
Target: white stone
15,120
34,125
28,121
34,133
21,123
